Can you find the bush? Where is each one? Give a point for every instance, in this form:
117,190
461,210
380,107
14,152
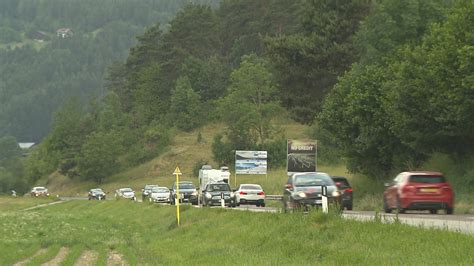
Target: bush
222,152
197,166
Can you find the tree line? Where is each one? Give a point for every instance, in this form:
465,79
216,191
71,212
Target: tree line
383,83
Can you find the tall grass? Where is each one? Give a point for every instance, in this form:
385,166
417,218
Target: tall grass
148,234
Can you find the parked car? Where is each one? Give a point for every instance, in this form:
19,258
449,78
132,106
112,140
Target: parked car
187,191
214,192
346,191
147,190
39,191
96,193
420,190
160,195
126,193
303,190
250,194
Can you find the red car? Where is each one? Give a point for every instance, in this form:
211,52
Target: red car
419,191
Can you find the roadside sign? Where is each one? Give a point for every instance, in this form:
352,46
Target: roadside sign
301,156
177,173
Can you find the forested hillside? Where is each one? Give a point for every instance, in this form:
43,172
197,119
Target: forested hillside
385,85
40,68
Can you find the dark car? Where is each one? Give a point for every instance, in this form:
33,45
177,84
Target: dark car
187,191
304,190
346,191
214,192
419,190
147,190
96,193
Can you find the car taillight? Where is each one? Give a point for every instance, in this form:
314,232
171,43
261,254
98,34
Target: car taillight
243,193
348,190
261,193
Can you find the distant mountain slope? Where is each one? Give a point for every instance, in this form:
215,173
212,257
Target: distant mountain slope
51,51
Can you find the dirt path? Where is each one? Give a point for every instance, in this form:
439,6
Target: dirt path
26,261
87,258
115,258
58,259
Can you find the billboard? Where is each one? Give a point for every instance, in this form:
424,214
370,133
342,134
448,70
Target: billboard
251,162
301,156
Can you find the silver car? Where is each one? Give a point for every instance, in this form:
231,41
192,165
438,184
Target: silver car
160,194
126,193
304,190
250,194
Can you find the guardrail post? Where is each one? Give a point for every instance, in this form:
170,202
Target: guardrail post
222,200
324,198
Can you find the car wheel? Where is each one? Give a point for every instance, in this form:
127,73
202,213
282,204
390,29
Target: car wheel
262,205
385,206
257,204
349,207
449,211
433,211
399,206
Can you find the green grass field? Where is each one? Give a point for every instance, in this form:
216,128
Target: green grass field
141,233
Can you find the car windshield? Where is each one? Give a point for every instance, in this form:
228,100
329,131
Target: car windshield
251,187
40,189
218,187
160,190
150,187
313,180
97,190
427,179
186,186
126,190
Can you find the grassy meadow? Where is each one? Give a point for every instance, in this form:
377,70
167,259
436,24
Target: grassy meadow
147,234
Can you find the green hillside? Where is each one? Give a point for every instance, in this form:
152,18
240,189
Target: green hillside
184,151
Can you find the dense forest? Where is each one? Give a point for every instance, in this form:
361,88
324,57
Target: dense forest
384,84
40,69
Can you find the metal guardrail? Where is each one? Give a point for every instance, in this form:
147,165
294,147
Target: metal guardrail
273,197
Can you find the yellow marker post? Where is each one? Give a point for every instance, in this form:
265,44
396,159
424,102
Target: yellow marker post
177,172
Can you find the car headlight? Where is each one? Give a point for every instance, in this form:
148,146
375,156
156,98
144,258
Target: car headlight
194,193
301,194
208,195
232,194
336,193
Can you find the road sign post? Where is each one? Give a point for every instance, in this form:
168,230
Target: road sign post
222,200
177,173
324,198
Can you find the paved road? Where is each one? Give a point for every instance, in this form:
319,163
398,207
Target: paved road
457,223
